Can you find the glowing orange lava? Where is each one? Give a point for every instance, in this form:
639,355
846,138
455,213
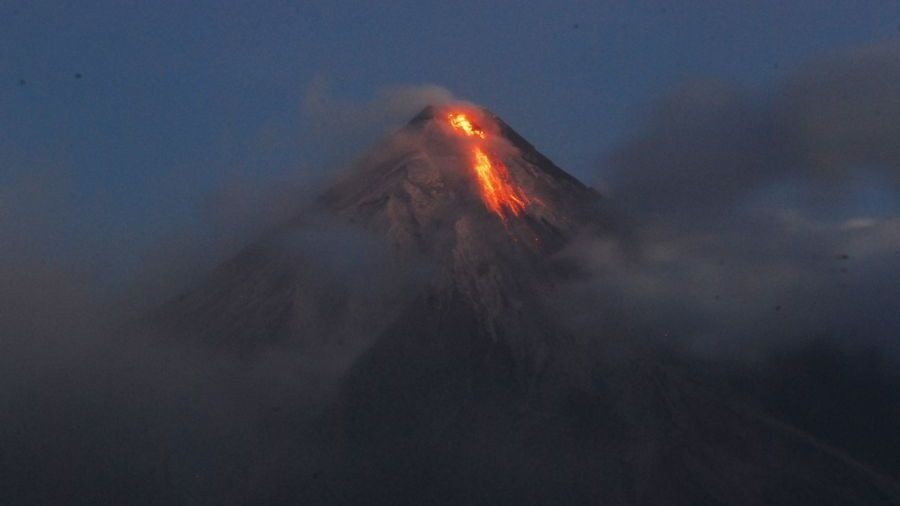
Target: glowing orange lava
498,192
461,122
496,189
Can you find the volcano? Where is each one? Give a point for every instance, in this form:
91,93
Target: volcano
470,388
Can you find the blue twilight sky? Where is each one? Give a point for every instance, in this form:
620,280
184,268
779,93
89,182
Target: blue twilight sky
130,113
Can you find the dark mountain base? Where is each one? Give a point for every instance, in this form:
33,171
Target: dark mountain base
452,420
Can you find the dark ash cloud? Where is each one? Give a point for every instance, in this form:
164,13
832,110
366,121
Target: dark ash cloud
709,147
762,218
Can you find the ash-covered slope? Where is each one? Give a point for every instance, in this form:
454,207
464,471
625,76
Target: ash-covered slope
471,391
421,188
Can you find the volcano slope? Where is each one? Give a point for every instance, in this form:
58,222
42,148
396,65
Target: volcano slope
472,390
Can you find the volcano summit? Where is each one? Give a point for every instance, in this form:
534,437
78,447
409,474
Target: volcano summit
470,387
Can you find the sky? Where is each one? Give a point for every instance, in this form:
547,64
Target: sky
129,115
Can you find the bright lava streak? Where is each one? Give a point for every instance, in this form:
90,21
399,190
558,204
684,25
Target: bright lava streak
498,192
461,122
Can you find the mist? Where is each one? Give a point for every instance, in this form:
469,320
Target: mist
100,407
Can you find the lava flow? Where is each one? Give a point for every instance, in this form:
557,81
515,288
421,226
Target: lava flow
498,192
461,122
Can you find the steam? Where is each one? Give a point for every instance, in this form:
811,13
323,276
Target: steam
343,127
